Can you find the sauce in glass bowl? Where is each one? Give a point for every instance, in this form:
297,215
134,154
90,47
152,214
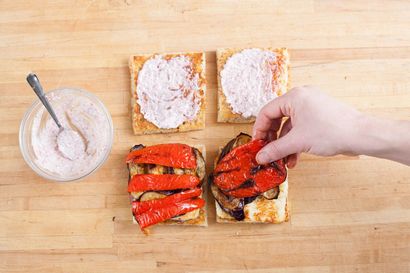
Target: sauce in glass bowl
75,151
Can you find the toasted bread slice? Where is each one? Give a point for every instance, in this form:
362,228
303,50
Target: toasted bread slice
260,210
280,77
196,217
140,124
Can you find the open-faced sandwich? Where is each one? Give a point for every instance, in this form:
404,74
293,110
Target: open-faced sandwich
248,79
245,191
167,92
165,185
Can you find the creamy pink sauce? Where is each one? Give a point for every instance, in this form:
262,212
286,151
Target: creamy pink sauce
247,81
168,93
79,147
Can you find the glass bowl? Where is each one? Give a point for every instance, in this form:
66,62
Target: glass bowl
103,126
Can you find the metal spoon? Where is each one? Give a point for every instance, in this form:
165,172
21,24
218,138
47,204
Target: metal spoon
69,142
38,89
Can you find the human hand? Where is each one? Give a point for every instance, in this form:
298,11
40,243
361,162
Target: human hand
316,124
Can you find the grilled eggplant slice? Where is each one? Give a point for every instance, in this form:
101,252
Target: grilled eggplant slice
233,206
134,169
150,195
200,164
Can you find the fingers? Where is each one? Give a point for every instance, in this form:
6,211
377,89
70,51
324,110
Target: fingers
286,127
266,126
270,113
280,148
292,160
270,133
273,132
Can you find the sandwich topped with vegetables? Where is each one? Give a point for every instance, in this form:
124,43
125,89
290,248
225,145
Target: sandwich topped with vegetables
165,185
245,191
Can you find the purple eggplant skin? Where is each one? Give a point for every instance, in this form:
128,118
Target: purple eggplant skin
160,192
200,164
239,140
232,206
258,168
134,148
137,147
226,149
170,192
248,200
169,170
239,215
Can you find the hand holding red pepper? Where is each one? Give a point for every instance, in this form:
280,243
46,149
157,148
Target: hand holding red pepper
239,175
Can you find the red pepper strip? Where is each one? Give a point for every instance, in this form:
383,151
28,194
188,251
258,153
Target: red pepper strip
144,206
153,217
235,167
160,182
170,155
244,151
240,165
264,180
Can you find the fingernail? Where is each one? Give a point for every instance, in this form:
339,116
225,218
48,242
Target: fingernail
262,157
290,165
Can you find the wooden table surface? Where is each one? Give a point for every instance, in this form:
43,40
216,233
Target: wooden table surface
348,214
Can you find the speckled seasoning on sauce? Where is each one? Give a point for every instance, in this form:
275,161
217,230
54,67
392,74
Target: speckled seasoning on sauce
247,81
168,91
80,146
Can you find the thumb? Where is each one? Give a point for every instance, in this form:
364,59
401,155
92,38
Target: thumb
280,148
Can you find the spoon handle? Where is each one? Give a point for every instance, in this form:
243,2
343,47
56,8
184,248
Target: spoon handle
38,89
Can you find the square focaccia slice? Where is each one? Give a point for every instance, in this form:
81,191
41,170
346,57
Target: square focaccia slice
167,92
248,79
270,206
196,217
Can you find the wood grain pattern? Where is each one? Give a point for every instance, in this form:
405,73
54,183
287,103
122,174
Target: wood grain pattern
349,214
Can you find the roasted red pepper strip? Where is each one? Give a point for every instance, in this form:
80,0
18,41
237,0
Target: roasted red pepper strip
144,206
263,180
160,182
240,166
237,164
152,217
170,155
246,151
